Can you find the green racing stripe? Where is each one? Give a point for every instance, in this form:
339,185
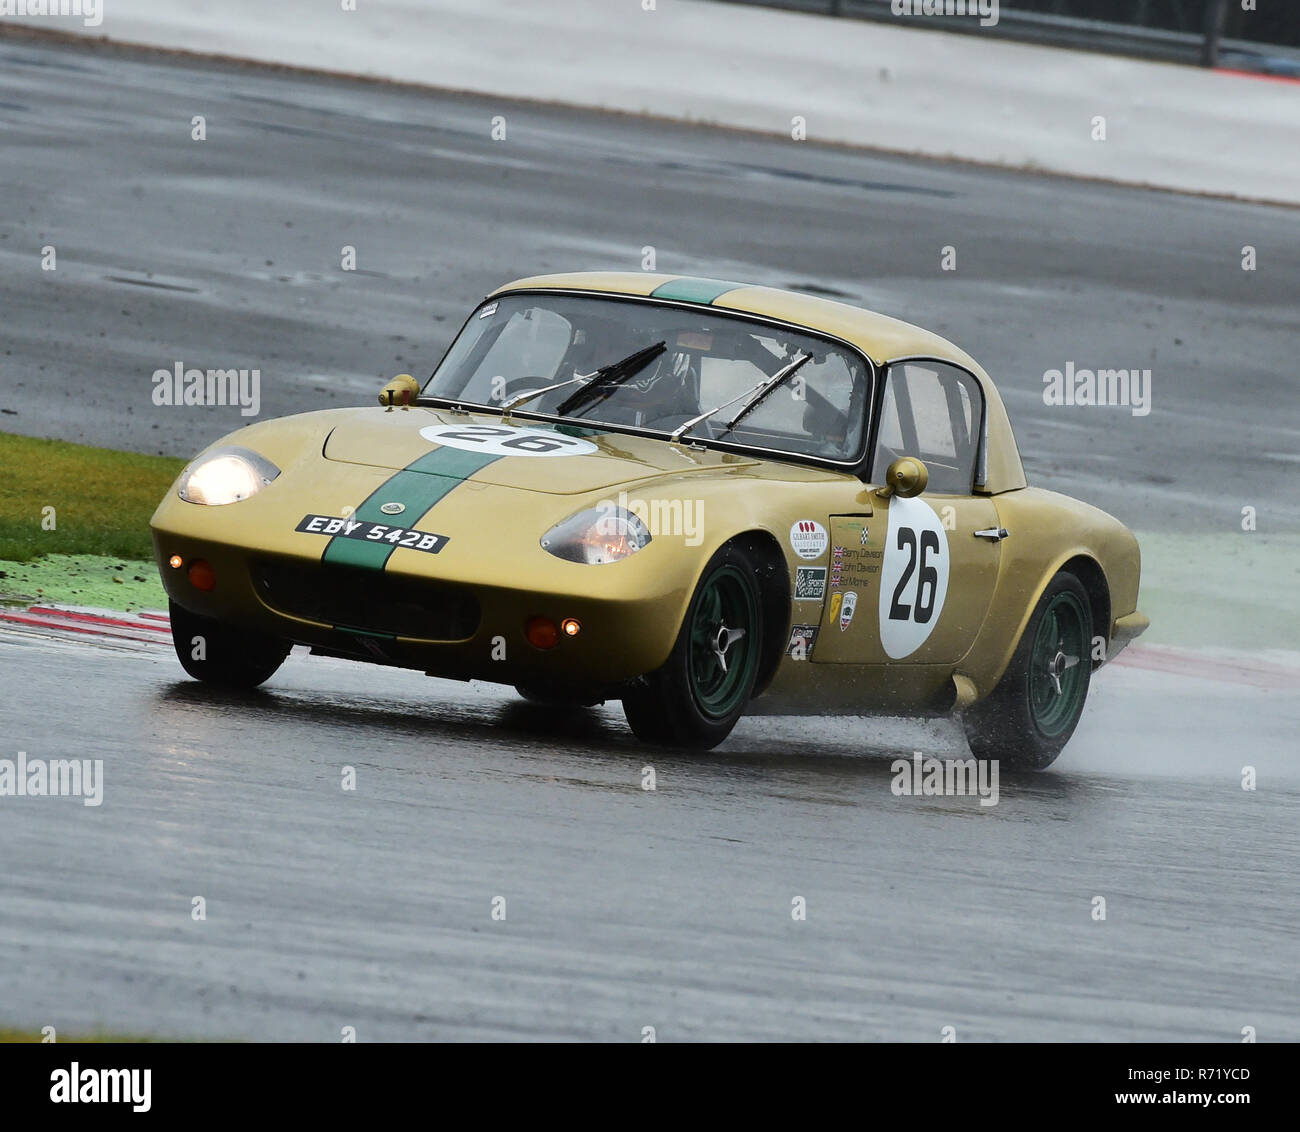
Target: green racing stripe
419,486
694,290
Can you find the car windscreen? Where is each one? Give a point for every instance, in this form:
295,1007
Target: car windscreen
554,344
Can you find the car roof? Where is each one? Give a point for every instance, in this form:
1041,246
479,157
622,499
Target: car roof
881,338
878,336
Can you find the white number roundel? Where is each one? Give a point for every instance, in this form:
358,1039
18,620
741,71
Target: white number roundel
507,440
914,577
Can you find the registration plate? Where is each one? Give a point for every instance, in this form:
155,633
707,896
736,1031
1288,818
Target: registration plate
371,532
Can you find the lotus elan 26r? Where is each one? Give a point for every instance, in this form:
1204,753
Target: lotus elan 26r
697,497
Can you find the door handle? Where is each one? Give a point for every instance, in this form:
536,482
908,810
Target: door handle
993,534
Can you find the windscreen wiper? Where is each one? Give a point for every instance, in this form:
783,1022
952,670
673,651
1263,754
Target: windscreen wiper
600,383
528,394
759,392
583,379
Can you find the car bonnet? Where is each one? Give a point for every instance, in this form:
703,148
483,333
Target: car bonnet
529,455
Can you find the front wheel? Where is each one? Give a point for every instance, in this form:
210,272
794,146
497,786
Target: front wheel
1029,717
695,699
220,654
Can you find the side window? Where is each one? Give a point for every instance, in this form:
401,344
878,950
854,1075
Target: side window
932,411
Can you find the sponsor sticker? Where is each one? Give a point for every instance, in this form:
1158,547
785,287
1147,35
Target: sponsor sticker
855,567
847,610
810,583
488,311
836,598
371,532
802,638
808,538
507,440
691,340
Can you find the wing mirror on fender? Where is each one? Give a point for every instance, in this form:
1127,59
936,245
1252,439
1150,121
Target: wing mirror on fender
402,390
907,476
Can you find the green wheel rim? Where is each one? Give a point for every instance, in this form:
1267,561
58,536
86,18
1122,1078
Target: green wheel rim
723,645
1058,665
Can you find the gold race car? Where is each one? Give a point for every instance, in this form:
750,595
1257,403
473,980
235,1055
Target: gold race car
685,494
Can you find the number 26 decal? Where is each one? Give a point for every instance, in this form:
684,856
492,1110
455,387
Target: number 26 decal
927,580
914,577
507,440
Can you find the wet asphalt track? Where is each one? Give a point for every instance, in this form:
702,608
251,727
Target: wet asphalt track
624,908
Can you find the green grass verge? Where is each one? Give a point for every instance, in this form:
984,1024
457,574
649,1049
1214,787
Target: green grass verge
1229,590
83,579
102,499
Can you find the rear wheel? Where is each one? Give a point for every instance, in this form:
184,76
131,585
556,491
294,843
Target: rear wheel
1029,717
221,654
695,699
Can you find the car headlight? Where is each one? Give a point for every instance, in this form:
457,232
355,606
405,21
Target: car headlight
226,475
596,536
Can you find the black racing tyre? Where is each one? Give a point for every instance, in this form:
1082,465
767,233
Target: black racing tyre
696,697
1029,717
226,656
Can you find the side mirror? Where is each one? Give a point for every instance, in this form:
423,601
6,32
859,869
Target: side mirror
402,390
907,476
